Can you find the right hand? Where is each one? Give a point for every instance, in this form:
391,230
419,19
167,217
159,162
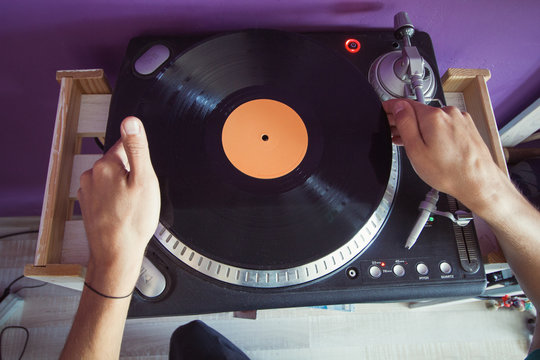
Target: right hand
445,150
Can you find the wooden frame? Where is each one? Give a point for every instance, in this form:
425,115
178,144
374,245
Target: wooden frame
83,106
71,125
471,83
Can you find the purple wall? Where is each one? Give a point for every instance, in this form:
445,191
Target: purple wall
40,37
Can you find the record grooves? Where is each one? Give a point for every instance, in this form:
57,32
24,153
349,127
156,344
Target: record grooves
275,223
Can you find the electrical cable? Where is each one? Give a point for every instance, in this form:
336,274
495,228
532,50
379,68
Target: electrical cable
30,287
25,341
18,233
13,282
7,290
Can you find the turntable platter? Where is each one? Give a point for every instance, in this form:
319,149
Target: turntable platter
324,183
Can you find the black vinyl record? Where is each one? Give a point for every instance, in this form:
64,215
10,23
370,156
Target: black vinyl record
274,223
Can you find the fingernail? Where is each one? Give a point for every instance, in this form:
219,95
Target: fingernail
398,107
131,127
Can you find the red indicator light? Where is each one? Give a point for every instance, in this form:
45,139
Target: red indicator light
352,45
383,264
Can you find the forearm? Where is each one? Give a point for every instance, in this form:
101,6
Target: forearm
522,250
99,323
120,203
520,243
97,328
448,153
516,224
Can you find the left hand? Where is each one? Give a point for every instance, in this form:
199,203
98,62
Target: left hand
120,203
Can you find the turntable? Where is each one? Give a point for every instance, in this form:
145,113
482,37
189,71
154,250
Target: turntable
280,185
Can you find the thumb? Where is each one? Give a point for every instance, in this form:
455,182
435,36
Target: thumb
136,146
406,123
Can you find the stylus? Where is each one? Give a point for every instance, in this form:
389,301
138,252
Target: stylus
431,201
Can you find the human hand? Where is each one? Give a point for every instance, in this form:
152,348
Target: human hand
120,204
445,150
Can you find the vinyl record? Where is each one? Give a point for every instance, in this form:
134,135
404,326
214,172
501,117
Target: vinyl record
271,149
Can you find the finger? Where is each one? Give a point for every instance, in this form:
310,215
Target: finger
429,120
452,110
80,194
394,133
84,182
135,145
117,154
397,140
387,106
391,119
406,122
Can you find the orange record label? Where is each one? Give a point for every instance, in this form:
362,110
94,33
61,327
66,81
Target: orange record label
264,139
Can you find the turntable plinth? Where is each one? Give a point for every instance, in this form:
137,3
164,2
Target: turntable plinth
83,106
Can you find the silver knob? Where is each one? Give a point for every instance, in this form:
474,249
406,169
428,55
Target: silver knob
403,26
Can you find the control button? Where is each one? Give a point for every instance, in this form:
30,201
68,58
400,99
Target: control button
352,45
152,59
399,270
422,269
375,271
151,281
445,267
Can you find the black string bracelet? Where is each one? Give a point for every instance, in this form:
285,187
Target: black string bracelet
107,296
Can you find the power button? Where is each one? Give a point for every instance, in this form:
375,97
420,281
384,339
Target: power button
352,45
